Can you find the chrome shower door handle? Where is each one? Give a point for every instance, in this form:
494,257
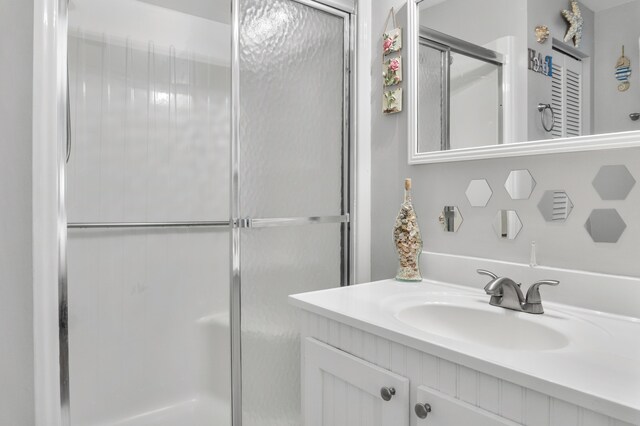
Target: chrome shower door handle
387,393
291,221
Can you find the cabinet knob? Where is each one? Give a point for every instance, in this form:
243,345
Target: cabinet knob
387,393
422,410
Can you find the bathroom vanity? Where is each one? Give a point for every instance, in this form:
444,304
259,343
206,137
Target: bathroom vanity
432,353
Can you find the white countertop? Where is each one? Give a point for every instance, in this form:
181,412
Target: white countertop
599,369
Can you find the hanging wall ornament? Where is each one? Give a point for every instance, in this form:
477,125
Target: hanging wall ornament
574,18
392,102
391,39
392,71
542,33
623,72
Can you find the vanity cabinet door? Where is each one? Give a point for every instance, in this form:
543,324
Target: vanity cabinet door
448,411
342,390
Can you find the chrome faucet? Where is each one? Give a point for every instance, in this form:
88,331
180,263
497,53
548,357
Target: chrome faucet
507,294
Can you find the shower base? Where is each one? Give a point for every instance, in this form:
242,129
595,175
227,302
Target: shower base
199,411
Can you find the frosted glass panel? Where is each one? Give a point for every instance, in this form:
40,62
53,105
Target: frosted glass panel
291,99
474,102
430,99
292,88
277,262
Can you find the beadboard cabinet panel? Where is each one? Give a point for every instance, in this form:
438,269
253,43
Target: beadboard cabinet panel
343,390
508,401
447,410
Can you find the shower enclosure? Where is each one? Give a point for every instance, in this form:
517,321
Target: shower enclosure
207,177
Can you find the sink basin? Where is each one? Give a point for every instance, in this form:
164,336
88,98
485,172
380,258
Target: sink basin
489,325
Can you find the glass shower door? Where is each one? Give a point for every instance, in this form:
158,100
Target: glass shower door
148,210
293,188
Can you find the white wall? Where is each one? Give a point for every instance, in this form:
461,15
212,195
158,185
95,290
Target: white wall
388,134
474,103
614,28
563,245
476,22
16,306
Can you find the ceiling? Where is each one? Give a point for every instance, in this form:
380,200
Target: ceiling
600,5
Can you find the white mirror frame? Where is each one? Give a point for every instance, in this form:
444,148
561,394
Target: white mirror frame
549,146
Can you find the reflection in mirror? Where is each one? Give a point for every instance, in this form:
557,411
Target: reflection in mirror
520,184
433,127
555,206
507,224
613,182
605,225
451,218
489,93
460,94
479,193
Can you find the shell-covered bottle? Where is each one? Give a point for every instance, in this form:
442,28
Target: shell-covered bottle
407,239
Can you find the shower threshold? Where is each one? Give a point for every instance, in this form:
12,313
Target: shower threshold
202,410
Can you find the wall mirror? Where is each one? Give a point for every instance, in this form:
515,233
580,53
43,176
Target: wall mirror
605,225
507,224
451,218
481,85
520,184
479,193
555,206
614,182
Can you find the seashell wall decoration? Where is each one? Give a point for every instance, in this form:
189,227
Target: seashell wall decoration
542,33
575,21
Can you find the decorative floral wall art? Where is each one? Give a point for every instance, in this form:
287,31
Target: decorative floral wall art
392,71
392,102
391,66
391,39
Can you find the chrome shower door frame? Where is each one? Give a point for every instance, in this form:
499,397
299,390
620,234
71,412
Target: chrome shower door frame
58,10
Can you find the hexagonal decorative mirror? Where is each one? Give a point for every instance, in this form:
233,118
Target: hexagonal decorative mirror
479,193
605,225
613,182
555,206
520,184
507,224
451,218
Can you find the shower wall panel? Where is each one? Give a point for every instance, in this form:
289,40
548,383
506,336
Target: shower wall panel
148,309
150,133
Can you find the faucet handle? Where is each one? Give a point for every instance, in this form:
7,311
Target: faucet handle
533,294
487,273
